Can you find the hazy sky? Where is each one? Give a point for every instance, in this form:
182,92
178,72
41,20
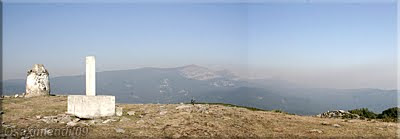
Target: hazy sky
338,45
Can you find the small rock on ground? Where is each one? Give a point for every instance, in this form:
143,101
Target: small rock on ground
76,120
106,121
163,112
71,124
316,131
324,123
140,121
336,125
183,107
131,112
119,130
124,119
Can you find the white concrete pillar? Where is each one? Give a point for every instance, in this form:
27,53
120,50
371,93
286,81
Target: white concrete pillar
90,76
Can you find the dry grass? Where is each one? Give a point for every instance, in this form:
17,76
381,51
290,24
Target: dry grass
200,120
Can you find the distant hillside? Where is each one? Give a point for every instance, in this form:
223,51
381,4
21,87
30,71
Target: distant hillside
181,84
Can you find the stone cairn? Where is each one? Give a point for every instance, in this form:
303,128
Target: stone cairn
37,81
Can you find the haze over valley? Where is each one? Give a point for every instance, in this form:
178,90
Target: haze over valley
181,84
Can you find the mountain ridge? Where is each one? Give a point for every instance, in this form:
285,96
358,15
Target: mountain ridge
175,85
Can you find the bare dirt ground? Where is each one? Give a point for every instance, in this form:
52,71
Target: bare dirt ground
22,115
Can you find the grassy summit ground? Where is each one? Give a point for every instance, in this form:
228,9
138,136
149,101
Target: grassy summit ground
185,120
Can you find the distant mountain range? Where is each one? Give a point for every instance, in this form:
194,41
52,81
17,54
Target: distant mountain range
181,84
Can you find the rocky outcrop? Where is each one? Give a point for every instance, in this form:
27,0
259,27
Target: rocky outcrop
37,81
338,114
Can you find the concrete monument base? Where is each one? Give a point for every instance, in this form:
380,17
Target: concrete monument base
91,106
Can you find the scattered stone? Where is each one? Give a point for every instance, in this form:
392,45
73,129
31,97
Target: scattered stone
115,118
324,123
95,121
84,123
76,120
50,119
71,123
315,131
66,119
1,112
8,126
119,130
202,108
45,120
124,119
106,121
342,111
336,125
176,135
131,113
183,107
37,81
163,112
338,114
38,116
140,121
351,121
62,114
278,130
91,122
16,95
118,111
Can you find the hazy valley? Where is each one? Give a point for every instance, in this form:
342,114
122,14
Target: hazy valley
181,84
